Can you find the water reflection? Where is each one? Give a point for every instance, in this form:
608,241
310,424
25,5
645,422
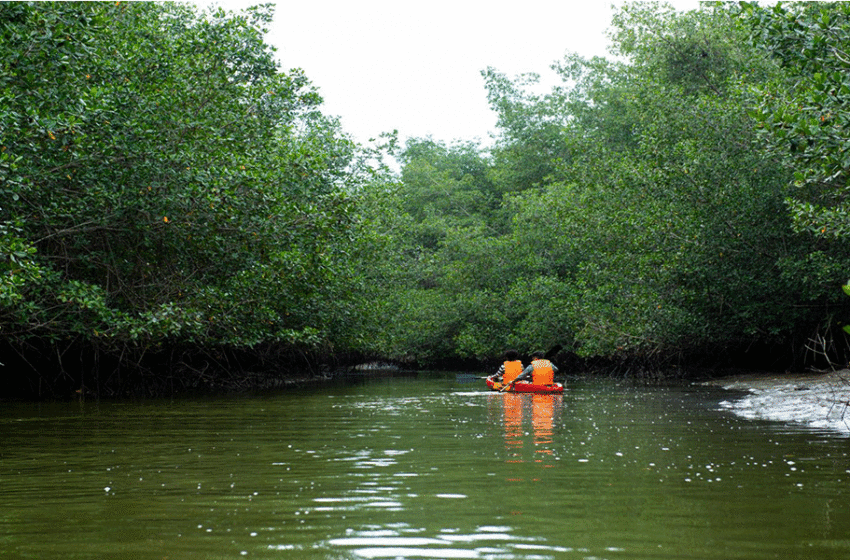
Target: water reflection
519,412
404,541
512,404
428,510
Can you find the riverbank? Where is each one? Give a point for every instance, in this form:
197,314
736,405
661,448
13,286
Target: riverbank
815,400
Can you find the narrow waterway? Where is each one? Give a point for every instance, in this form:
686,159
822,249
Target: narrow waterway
420,467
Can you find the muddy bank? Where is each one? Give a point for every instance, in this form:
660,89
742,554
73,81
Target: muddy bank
816,400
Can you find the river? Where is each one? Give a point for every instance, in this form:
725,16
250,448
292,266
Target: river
422,466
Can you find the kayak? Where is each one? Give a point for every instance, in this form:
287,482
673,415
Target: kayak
524,387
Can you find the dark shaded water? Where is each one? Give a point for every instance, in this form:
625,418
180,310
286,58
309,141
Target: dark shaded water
424,467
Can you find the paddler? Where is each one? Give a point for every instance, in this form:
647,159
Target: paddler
510,368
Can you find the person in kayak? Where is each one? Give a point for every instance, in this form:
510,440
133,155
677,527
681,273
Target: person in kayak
540,371
510,368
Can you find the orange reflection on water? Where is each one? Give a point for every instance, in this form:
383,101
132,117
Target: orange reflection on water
513,426
542,420
541,410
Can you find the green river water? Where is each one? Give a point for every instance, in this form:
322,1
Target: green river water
420,467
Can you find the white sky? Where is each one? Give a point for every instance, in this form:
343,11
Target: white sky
415,66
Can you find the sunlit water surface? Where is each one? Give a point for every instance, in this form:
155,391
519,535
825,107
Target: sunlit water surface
420,467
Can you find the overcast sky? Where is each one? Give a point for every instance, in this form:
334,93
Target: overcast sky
416,66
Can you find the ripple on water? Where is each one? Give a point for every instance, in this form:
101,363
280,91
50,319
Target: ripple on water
607,472
407,542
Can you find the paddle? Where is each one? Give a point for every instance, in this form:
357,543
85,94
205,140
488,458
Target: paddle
468,377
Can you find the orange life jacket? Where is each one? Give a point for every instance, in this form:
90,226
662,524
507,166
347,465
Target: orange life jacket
512,370
543,372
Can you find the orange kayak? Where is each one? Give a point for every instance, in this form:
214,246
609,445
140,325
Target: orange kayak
523,387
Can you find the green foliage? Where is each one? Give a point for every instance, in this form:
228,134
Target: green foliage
629,212
162,180
682,216
532,128
803,112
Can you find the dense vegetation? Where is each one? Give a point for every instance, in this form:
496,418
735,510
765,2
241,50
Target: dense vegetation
639,213
177,211
166,189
